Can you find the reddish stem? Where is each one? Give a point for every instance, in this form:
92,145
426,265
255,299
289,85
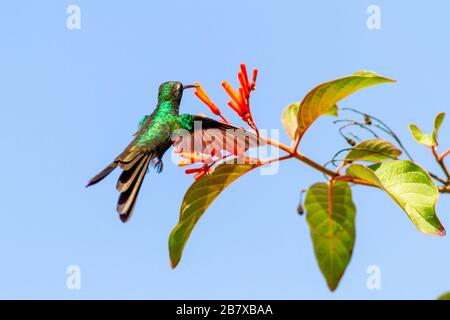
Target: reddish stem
446,153
440,161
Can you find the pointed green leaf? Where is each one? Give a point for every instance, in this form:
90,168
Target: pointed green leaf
325,96
420,137
438,122
410,186
333,111
289,117
445,296
373,150
197,199
431,139
333,235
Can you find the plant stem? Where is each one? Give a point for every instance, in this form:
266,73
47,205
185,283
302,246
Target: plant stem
299,156
342,165
445,189
293,153
223,119
386,129
330,207
297,141
446,153
437,178
263,163
441,163
355,181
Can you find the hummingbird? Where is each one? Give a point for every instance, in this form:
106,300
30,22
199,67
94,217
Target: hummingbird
157,133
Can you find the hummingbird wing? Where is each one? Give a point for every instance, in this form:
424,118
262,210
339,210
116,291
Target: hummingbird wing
208,135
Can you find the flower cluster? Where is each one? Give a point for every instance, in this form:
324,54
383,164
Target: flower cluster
240,99
240,103
192,158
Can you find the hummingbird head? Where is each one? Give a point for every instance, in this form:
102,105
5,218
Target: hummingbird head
172,90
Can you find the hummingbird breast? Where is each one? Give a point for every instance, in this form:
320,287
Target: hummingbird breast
157,130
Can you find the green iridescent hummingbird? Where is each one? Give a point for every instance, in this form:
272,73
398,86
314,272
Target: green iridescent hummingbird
154,137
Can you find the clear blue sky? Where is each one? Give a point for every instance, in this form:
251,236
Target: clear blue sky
71,99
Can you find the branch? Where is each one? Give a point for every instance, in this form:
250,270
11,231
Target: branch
384,127
440,161
336,176
437,178
295,154
446,153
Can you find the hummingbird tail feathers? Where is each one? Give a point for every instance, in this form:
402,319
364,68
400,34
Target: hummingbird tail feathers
99,177
129,184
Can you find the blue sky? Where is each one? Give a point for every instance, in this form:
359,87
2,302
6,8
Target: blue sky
71,99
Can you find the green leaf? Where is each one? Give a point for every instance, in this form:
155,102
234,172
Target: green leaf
438,122
373,150
445,296
410,186
289,117
420,137
333,235
431,139
325,96
197,199
333,111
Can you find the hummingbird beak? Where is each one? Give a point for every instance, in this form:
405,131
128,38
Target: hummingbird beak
189,86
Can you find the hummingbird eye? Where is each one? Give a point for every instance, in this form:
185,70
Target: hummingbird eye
178,90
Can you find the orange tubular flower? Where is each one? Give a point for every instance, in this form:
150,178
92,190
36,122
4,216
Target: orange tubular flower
201,94
237,98
254,76
191,158
199,172
240,101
